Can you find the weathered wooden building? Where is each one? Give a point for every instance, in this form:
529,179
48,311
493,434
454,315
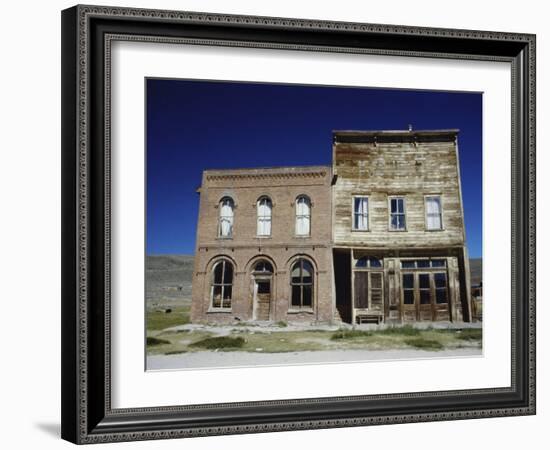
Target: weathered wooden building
379,236
398,227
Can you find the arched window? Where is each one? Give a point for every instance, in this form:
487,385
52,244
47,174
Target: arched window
222,284
264,216
225,227
301,283
303,216
368,261
263,267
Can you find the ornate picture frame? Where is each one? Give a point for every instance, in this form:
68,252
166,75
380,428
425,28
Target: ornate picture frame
87,35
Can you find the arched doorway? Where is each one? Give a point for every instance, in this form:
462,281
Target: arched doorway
262,278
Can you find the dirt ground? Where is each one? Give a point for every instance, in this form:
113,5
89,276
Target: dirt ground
211,359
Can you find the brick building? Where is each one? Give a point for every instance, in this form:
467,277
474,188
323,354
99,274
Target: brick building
379,236
263,246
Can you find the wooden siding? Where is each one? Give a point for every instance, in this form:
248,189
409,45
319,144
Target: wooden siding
409,170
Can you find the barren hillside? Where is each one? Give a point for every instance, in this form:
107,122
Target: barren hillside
168,279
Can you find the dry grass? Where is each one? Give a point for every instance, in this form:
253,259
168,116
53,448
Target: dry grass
219,343
159,320
268,341
425,344
153,341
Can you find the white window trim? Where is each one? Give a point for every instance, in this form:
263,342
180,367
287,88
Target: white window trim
353,197
264,236
426,197
397,230
222,308
230,235
308,198
293,309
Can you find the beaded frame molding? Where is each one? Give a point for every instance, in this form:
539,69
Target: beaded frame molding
87,34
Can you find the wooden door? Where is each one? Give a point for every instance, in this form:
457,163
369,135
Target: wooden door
360,289
441,308
425,297
368,294
262,291
409,300
376,291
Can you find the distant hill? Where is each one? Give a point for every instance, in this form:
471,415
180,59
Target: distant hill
169,262
476,266
168,278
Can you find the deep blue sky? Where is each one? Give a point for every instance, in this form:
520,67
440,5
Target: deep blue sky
197,125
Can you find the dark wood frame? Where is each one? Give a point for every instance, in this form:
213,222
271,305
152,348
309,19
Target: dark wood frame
87,32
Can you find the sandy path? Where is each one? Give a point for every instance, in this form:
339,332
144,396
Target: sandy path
246,359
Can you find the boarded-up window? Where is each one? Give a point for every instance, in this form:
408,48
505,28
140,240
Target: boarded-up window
222,284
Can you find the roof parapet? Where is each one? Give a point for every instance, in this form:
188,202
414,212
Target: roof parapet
379,136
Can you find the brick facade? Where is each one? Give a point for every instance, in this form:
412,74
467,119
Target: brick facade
282,248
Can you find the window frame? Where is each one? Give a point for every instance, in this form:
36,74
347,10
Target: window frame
369,265
431,273
233,207
404,213
403,289
430,261
440,197
223,285
301,307
310,204
445,288
262,272
353,213
258,217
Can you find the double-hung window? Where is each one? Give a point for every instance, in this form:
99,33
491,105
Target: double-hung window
434,219
397,214
264,206
360,213
303,216
225,225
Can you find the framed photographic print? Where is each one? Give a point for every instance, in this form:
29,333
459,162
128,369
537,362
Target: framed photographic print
283,224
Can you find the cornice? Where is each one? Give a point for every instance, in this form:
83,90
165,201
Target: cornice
266,175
